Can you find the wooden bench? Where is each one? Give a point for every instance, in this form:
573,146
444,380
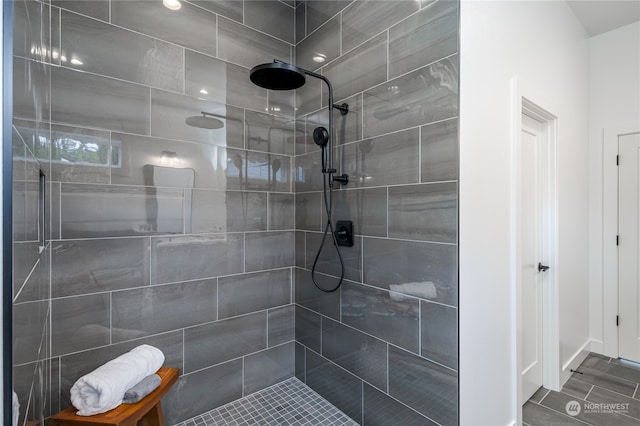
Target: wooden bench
147,412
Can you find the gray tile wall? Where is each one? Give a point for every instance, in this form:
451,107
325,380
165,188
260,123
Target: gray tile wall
384,348
159,233
33,366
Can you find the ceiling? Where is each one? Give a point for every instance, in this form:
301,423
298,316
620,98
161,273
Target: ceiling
600,16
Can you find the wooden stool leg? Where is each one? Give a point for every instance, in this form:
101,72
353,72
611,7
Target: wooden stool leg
153,417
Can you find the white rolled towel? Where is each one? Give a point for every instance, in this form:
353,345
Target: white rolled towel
103,389
423,289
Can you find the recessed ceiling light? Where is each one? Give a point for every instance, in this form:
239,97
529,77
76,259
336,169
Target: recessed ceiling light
319,58
76,61
172,4
204,91
63,58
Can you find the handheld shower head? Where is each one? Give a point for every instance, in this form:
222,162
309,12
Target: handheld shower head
321,136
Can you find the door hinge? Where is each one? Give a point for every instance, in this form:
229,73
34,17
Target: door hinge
617,320
617,240
617,160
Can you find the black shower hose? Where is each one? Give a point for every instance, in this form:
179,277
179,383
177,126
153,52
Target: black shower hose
328,205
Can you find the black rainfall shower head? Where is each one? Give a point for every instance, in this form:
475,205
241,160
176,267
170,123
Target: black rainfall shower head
277,76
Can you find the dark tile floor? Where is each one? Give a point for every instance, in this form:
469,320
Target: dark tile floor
603,392
286,403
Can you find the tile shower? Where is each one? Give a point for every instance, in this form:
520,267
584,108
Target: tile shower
200,241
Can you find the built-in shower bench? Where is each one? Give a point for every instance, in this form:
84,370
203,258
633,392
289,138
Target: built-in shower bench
147,412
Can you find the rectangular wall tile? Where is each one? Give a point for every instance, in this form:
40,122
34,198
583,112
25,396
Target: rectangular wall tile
187,398
349,126
425,270
98,9
221,341
329,262
308,328
241,294
325,43
310,297
29,320
80,155
365,207
281,211
364,19
425,37
308,213
28,32
169,112
380,409
101,48
269,133
320,11
152,310
80,322
94,266
78,364
424,212
257,171
31,93
364,67
189,26
384,160
363,355
423,96
309,97
426,387
270,16
269,367
269,250
300,362
109,211
219,81
199,257
300,249
335,385
231,9
37,285
308,172
233,211
385,315
281,325
122,106
300,22
439,333
243,46
439,153
142,160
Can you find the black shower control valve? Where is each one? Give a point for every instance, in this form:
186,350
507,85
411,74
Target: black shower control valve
344,233
343,179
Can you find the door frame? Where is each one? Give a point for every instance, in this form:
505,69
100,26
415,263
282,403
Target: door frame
610,284
527,100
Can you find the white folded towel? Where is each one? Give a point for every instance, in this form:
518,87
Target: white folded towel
16,409
103,389
424,290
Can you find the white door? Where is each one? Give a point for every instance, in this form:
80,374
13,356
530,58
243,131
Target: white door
628,250
530,222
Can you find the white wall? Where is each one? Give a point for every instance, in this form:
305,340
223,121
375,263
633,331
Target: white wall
543,44
614,99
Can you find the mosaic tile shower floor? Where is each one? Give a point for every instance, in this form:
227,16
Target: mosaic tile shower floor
290,402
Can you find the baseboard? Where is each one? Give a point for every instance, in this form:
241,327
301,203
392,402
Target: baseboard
597,346
578,357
